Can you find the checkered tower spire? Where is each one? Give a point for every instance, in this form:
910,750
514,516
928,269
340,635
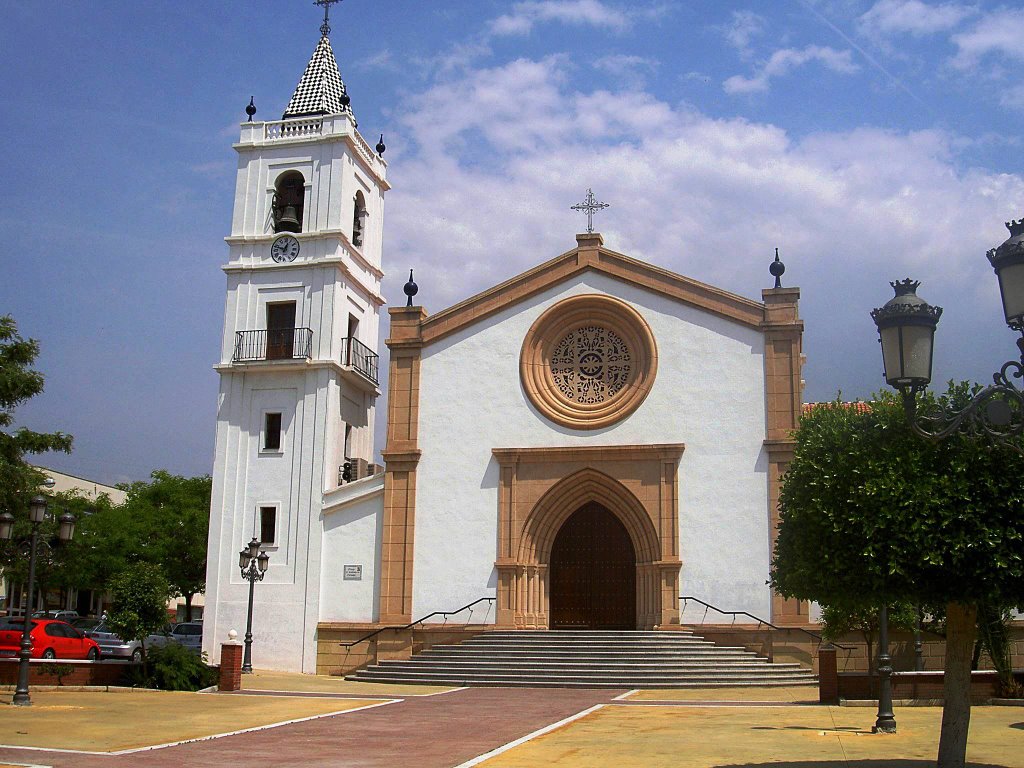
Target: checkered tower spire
321,90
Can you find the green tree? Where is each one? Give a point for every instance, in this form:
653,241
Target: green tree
870,512
19,481
170,515
838,619
140,593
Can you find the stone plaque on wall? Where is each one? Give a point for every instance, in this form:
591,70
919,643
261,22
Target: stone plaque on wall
353,573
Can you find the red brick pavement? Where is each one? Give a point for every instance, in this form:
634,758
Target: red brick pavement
427,732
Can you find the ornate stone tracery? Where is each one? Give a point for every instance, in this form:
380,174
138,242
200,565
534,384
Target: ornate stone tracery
588,361
591,364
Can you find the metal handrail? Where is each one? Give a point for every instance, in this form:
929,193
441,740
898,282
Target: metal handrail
397,627
361,358
758,619
273,344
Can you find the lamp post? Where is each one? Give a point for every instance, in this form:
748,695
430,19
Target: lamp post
906,330
37,513
253,567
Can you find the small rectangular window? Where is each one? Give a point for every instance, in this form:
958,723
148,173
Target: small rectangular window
268,525
272,432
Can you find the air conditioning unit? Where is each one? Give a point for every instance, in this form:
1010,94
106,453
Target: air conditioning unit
355,469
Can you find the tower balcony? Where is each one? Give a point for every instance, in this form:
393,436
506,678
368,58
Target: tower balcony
273,344
361,359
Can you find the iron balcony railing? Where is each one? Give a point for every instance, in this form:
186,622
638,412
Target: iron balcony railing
361,358
273,344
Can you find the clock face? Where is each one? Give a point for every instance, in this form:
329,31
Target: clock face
285,248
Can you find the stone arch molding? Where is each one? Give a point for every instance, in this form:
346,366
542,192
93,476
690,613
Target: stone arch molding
541,488
571,493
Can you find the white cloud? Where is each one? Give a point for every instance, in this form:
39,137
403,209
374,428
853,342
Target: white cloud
1013,97
380,60
913,17
784,61
745,26
626,70
705,197
1000,32
526,14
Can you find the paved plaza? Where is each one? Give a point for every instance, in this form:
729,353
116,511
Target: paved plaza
298,720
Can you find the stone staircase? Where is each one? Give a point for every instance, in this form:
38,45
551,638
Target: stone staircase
587,659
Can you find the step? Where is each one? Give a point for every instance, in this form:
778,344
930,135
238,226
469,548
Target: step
581,659
533,682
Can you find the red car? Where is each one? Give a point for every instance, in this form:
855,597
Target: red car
50,640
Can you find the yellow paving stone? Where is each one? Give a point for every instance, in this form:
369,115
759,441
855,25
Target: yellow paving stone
106,722
763,737
291,681
796,693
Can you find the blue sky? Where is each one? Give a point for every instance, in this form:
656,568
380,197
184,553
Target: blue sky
869,140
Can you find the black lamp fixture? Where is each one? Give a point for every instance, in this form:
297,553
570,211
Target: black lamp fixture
906,329
253,563
37,507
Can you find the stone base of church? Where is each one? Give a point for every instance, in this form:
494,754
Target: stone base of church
786,644
334,659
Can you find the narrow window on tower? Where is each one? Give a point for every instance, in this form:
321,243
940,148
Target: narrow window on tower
289,199
268,526
272,432
358,219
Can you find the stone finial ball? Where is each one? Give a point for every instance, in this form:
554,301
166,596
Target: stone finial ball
232,635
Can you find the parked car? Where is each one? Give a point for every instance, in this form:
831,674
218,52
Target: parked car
188,634
68,616
111,646
50,640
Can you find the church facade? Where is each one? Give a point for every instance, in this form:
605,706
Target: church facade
577,447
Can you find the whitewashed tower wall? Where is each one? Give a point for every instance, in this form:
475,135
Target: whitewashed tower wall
322,384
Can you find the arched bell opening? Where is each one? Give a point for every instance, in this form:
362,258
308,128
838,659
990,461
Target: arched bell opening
289,201
592,573
359,214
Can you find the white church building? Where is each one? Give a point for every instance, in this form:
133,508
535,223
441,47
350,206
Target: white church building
583,443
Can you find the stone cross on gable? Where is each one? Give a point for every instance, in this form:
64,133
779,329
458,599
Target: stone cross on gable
590,205
325,28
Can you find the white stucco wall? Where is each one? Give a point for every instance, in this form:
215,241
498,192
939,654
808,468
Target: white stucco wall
708,394
330,280
352,521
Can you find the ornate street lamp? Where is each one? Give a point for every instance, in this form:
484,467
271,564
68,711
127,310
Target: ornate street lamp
253,567
37,514
906,329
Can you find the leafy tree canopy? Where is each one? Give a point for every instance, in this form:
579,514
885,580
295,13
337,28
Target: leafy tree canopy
18,383
140,594
870,511
167,520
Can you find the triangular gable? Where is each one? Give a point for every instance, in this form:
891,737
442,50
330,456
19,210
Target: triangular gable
590,255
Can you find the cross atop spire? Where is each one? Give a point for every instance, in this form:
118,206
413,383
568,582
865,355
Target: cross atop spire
325,28
591,206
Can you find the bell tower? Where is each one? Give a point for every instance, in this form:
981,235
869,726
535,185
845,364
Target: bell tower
298,362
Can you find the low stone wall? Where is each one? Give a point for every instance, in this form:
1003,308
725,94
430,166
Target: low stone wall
788,644
333,659
43,672
916,685
784,645
933,651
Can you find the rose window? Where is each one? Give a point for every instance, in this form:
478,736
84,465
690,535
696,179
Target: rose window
588,361
591,364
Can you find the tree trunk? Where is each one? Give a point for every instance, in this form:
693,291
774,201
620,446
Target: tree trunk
188,606
961,621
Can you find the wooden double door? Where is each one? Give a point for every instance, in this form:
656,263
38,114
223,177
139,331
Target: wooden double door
592,572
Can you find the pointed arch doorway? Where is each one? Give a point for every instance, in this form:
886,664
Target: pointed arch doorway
593,572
